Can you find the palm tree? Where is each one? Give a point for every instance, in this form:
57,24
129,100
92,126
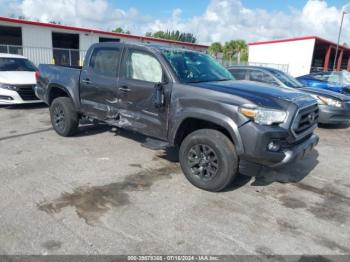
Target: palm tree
215,49
241,48
235,48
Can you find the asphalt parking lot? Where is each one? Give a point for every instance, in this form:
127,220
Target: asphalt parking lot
101,192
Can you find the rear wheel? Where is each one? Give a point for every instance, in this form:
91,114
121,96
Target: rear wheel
208,159
64,117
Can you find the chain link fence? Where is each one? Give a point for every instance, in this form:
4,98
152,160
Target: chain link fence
42,55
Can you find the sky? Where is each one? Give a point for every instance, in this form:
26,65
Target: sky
208,20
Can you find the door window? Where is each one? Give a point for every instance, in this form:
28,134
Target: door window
239,74
259,76
104,61
144,67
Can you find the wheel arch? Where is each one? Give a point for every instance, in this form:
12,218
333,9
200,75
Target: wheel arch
57,90
198,120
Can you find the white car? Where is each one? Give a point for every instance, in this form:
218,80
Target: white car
17,80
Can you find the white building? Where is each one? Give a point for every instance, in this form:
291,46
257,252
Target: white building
301,55
65,45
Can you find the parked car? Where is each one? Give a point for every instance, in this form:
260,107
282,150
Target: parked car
333,81
182,98
17,80
334,107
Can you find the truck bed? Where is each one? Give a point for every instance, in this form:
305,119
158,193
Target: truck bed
67,77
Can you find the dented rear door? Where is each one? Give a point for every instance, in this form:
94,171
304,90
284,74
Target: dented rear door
98,83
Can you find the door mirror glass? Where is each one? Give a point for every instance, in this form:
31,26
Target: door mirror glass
144,67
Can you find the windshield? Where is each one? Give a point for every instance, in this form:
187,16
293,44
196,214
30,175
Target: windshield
16,64
286,79
193,67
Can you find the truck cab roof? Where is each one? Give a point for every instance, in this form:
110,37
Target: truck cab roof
154,47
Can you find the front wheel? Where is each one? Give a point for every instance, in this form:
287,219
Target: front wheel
208,159
64,118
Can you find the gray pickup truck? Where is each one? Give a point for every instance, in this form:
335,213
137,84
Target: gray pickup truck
182,98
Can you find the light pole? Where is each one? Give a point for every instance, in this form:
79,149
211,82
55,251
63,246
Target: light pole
345,10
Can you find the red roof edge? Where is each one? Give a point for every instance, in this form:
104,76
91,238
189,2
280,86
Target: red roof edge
97,31
283,40
298,39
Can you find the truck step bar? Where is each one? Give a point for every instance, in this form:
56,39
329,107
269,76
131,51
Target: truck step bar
155,144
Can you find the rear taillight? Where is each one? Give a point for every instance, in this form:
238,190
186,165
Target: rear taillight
37,75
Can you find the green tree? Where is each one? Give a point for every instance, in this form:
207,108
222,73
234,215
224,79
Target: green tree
215,48
173,35
121,30
236,48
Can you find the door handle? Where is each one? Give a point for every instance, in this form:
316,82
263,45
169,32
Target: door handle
86,81
124,89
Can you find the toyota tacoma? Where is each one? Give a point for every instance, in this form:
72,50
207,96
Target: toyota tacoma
182,98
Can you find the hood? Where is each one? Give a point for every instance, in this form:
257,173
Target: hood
261,94
326,93
17,77
346,90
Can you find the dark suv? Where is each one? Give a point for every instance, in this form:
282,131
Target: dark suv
182,98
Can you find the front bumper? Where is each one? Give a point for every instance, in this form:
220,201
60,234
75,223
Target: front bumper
256,139
298,150
11,97
334,115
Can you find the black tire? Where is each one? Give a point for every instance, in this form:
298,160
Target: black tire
64,118
204,171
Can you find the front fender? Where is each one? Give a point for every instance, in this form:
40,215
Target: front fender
206,115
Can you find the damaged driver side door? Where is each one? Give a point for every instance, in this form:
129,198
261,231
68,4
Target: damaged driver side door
143,91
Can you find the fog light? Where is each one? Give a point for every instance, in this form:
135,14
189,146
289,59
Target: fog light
274,146
6,98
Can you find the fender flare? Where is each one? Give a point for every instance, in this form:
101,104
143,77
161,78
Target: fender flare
55,85
216,118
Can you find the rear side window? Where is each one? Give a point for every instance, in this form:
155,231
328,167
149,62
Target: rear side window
104,61
259,76
239,74
144,67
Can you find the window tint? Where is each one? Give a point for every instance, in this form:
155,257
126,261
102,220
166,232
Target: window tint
16,64
144,67
239,74
259,76
104,61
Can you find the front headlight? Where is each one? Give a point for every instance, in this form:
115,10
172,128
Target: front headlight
322,100
8,86
263,116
